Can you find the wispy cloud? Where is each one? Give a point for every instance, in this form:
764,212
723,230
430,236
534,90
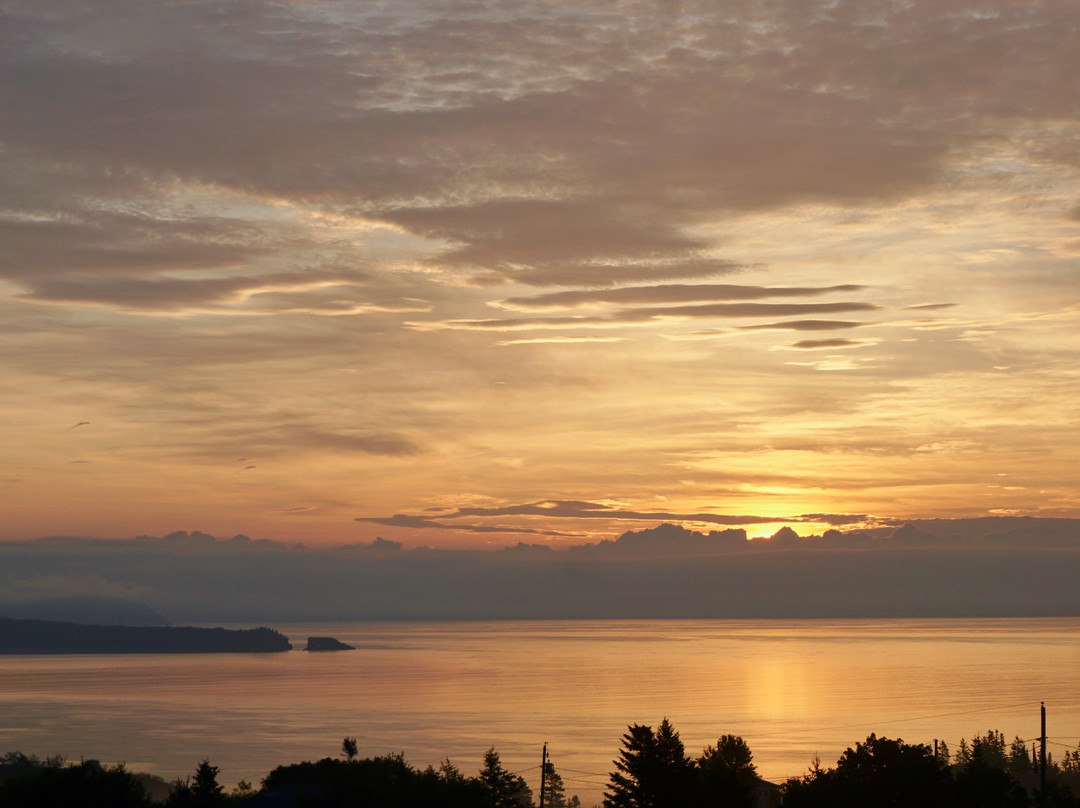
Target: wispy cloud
663,294
566,509
414,522
804,325
642,316
823,344
930,306
560,340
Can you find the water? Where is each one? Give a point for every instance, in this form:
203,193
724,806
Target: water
792,689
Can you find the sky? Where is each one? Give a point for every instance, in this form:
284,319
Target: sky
462,274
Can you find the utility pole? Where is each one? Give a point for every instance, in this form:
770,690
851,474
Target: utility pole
1034,765
1042,756
543,774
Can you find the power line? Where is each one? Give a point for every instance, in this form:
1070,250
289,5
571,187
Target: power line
913,718
577,771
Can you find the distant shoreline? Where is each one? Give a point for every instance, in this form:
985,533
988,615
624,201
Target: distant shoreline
28,637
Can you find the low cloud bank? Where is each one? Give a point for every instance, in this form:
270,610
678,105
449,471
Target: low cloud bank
995,567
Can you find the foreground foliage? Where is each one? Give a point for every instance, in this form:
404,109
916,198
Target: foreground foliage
384,782
37,784
652,770
886,773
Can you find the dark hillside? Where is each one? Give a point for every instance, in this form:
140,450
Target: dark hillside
51,637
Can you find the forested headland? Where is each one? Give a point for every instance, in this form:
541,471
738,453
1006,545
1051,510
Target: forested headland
652,769
56,637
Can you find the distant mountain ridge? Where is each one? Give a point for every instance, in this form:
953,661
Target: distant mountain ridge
89,610
54,637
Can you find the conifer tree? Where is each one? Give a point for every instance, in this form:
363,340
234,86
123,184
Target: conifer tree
652,770
506,790
205,788
555,791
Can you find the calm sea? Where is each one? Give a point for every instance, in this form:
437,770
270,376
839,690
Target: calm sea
792,689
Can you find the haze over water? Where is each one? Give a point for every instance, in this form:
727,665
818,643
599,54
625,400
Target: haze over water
792,689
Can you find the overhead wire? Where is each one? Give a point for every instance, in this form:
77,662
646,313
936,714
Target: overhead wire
560,769
912,718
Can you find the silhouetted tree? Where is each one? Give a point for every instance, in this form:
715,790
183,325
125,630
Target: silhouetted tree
180,795
1058,796
990,749
205,788
382,782
16,764
243,790
943,753
86,785
348,748
980,784
963,753
1070,761
880,773
203,791
505,789
450,773
555,791
652,770
726,774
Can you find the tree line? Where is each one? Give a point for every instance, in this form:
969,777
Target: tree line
652,770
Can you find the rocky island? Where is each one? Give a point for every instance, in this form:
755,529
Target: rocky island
327,644
55,637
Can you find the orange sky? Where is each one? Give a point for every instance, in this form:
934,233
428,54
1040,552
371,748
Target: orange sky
535,271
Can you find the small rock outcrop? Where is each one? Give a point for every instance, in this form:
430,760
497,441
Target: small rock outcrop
327,644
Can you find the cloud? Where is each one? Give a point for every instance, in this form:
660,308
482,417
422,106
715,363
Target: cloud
537,174
931,306
569,509
521,324
641,316
560,340
894,570
419,522
836,518
822,344
830,364
740,310
610,273
346,442
653,295
279,436
803,325
43,585
173,293
585,162
88,241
